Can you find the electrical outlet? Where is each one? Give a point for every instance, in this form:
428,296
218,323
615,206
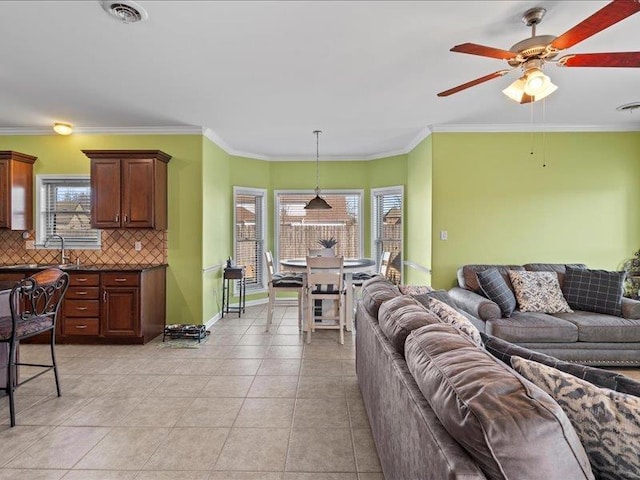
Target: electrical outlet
444,235
138,246
30,245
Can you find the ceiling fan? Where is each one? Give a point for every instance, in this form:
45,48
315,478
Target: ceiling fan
533,53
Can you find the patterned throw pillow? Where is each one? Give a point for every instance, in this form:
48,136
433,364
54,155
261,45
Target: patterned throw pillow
538,292
415,289
607,422
450,315
594,290
495,288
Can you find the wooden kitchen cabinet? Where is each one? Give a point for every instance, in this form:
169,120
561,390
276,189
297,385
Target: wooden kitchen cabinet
16,190
128,188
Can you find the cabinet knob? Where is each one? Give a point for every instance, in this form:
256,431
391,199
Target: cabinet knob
126,219
117,217
104,296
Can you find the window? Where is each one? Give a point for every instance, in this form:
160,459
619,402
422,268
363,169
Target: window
298,230
64,208
249,221
386,213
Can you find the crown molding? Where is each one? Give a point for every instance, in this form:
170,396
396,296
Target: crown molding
174,130
528,127
217,139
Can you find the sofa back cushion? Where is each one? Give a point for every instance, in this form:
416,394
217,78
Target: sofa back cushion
468,275
511,428
559,268
400,316
377,291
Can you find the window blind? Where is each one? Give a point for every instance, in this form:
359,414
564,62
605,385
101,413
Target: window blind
66,211
300,229
387,228
249,236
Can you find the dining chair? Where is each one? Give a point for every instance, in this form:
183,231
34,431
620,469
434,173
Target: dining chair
360,277
34,304
283,283
325,281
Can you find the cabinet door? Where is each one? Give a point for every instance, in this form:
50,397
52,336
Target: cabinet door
5,200
120,312
105,193
137,193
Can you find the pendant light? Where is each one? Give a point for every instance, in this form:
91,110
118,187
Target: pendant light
317,203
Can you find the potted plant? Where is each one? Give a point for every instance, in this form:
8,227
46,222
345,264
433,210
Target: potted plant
328,245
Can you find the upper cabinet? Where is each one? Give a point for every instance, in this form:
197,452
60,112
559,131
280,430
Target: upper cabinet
16,190
128,188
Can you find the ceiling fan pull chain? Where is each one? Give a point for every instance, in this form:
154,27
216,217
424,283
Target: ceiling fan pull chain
544,133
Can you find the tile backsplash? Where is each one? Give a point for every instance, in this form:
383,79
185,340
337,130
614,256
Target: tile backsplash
117,248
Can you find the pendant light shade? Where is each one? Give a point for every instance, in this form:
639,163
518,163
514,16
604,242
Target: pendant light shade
531,87
317,203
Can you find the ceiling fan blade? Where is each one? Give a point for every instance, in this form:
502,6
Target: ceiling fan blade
612,59
607,16
475,49
473,83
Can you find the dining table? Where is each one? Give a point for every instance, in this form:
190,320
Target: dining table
350,266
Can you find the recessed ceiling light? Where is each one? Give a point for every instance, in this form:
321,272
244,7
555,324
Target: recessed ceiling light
125,11
62,128
628,107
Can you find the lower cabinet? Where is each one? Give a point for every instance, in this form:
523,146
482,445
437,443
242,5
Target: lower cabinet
113,307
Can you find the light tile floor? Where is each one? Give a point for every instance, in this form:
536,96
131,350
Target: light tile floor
244,406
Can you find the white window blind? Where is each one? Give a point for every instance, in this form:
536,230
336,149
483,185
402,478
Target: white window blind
65,210
249,234
298,229
387,228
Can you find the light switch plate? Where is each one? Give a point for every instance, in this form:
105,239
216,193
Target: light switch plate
444,235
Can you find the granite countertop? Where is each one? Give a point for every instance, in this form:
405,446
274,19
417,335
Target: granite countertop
81,268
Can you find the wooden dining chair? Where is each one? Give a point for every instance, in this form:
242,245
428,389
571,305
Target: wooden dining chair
34,304
325,281
283,283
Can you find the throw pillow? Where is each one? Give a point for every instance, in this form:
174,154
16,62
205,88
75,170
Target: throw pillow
511,428
450,315
607,422
495,288
596,291
538,292
415,289
503,350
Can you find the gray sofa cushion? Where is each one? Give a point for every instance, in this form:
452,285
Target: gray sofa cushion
630,308
495,288
444,297
377,291
594,290
508,425
399,316
597,327
559,268
533,327
504,350
468,275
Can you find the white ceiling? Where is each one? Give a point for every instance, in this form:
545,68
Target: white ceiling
261,76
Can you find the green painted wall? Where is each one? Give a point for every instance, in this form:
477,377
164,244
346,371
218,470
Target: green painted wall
500,205
57,154
217,224
417,232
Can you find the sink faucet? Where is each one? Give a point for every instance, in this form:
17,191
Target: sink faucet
63,258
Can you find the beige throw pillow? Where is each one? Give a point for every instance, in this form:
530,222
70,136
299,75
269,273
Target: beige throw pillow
450,315
538,292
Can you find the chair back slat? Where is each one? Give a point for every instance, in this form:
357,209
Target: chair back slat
270,268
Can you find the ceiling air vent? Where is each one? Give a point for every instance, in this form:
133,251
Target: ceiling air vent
125,11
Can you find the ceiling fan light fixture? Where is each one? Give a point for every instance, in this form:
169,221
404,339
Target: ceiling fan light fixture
516,92
536,81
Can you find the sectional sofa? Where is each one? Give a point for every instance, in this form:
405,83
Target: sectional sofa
441,407
584,337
